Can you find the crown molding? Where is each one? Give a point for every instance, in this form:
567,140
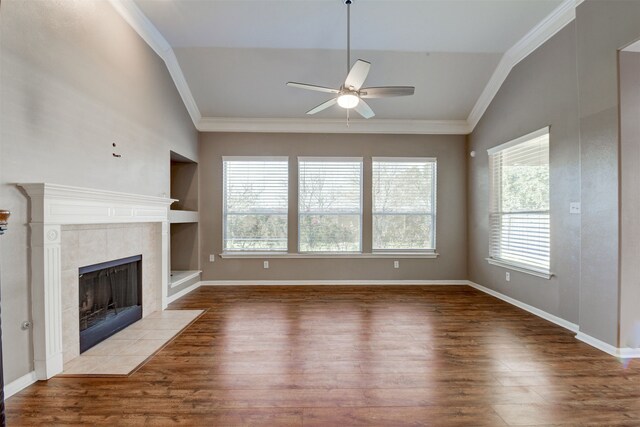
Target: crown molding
381,126
635,47
561,16
564,14
132,14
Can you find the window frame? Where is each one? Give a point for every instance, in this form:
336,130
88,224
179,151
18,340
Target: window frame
226,251
360,160
433,213
501,262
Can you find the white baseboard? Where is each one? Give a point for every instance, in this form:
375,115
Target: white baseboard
622,353
331,282
600,345
183,292
526,307
629,353
19,384
195,286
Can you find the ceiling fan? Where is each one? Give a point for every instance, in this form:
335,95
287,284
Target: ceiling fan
351,93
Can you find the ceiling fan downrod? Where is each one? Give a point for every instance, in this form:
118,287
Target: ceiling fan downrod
348,3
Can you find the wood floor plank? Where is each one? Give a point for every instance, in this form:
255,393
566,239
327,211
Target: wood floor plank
441,416
388,356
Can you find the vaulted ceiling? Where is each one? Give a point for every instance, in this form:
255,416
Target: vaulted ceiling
234,57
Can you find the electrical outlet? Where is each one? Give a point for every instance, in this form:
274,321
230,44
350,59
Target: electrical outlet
396,264
507,276
212,258
265,264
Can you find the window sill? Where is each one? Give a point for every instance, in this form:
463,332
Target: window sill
264,255
538,273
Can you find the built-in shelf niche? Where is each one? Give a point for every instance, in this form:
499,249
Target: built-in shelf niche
184,183
184,218
184,251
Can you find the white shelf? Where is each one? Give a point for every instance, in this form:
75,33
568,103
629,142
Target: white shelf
178,277
183,217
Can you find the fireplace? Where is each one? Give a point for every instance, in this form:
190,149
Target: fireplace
110,299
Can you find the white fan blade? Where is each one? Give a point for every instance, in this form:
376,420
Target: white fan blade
323,106
386,91
312,87
364,110
357,75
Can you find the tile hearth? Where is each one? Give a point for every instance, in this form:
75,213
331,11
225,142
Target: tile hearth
123,352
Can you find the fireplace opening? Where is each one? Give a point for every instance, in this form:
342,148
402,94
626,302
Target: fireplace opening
110,299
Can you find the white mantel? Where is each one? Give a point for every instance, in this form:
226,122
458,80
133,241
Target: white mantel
55,205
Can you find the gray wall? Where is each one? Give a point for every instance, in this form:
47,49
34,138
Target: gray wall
451,227
75,79
603,28
630,199
570,83
540,91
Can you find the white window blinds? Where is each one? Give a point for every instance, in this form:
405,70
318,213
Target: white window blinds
404,204
255,203
329,204
519,203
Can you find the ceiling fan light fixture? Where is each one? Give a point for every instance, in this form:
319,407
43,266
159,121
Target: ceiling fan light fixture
348,100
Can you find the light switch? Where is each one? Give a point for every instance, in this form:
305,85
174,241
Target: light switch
266,264
574,208
212,258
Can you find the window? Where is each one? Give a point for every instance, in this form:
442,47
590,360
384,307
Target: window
519,203
404,204
255,203
330,204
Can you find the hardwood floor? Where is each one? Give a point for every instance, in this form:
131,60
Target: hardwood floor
342,356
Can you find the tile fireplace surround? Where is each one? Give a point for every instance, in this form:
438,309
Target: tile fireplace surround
72,227
82,245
